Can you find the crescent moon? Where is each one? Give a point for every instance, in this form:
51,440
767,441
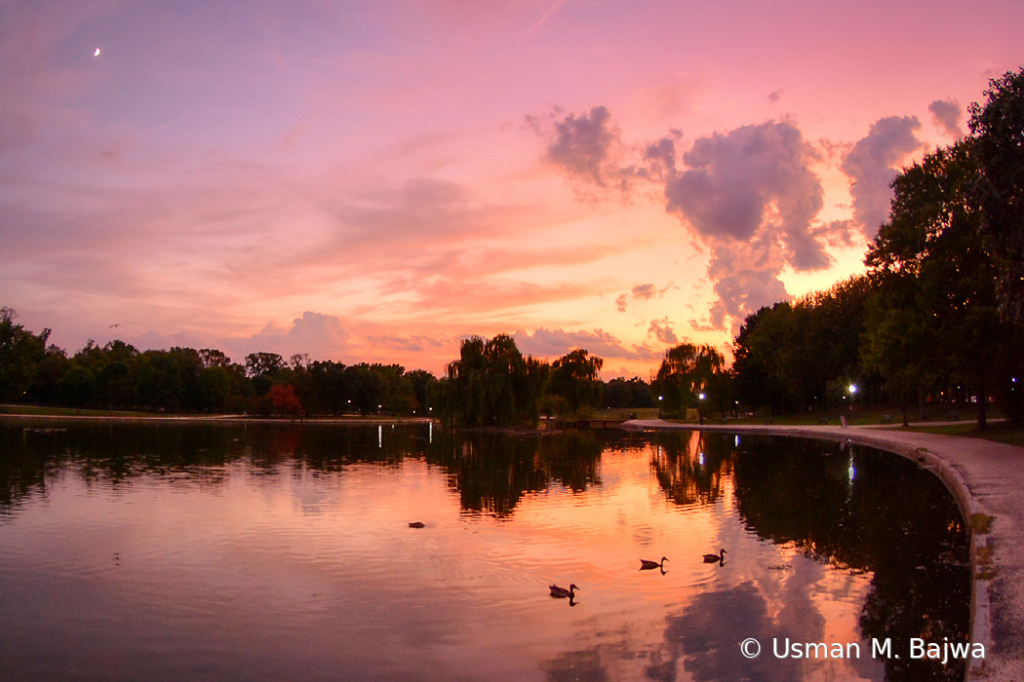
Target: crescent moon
96,53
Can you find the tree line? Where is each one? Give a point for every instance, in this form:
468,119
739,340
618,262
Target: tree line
117,376
492,384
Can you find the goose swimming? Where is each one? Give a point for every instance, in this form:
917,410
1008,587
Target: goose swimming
647,565
714,558
561,592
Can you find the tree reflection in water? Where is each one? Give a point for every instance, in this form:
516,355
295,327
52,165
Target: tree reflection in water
493,471
690,468
490,471
849,510
852,508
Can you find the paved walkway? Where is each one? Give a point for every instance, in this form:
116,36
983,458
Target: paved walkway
986,478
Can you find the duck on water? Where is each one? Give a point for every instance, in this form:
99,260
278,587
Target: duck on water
648,565
561,592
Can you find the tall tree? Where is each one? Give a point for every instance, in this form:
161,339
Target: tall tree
998,129
686,377
933,236
896,336
758,363
575,378
330,390
21,351
493,384
263,364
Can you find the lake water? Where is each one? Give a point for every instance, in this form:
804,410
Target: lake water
284,552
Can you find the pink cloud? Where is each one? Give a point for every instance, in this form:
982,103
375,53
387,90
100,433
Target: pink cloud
871,165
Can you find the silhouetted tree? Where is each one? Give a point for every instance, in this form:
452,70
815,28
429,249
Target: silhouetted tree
575,379
620,392
493,384
685,374
933,237
21,351
998,143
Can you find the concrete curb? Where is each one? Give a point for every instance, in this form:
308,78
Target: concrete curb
987,481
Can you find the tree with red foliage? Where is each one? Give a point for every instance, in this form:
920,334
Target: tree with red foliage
284,401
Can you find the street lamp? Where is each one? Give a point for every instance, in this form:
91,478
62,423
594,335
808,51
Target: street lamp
853,394
700,408
660,398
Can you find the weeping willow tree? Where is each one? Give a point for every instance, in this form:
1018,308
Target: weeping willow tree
492,384
687,373
576,381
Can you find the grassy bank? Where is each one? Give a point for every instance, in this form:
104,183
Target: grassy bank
36,411
939,419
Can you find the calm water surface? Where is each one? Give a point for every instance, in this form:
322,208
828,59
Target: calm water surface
278,552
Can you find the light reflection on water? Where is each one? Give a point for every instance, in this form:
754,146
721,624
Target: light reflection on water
284,553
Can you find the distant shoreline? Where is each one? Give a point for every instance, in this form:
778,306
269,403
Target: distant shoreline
218,419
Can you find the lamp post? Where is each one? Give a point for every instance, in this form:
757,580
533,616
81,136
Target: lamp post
700,408
660,398
853,394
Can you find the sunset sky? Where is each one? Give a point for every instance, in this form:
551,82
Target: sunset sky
373,181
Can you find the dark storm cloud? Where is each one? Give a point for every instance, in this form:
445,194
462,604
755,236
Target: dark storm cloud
872,165
946,116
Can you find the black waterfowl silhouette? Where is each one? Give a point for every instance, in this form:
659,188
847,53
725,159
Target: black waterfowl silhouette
715,558
562,593
417,524
648,565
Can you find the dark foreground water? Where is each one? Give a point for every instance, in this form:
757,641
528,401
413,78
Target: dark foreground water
262,552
